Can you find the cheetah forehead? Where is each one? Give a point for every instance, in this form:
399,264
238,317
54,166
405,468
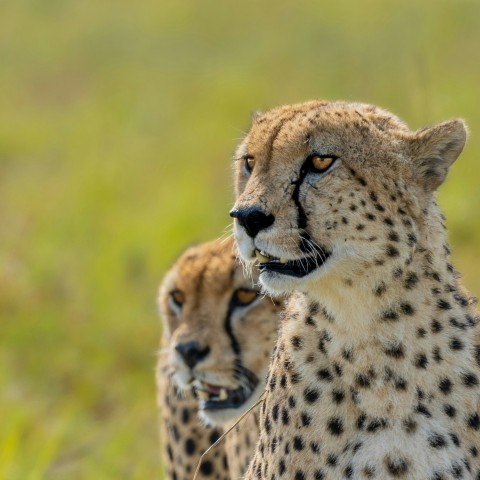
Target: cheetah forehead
362,134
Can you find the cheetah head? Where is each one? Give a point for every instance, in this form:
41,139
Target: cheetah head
220,331
328,190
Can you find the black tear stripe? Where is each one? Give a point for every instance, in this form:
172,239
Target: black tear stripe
304,244
241,372
228,328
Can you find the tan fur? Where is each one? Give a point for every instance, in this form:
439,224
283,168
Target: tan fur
208,275
376,371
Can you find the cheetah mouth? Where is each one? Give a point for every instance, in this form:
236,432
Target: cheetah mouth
216,397
295,268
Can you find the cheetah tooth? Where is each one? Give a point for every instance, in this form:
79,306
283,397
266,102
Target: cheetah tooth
283,260
261,257
203,395
223,394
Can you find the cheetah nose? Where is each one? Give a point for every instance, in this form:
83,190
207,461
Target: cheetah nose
253,220
192,352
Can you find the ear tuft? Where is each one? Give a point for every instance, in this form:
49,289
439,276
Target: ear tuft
434,149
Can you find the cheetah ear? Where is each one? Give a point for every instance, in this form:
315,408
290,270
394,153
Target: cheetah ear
434,149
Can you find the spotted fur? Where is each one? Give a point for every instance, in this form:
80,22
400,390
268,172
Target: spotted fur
376,373
234,343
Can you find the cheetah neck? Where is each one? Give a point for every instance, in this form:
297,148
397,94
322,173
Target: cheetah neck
389,327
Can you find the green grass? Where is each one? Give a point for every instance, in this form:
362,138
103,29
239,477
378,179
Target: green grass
117,124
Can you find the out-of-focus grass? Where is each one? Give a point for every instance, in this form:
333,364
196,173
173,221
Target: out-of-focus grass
116,127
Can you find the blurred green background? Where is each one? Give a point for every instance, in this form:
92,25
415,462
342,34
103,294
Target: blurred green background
117,122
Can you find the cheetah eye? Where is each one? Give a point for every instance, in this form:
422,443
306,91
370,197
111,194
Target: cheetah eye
249,163
177,297
320,163
243,297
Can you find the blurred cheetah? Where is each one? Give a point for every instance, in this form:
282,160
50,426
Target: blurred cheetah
218,337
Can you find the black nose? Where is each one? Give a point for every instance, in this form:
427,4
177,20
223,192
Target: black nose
252,219
192,352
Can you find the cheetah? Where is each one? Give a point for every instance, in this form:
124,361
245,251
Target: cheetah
376,370
218,335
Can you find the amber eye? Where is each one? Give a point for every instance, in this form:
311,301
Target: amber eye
249,164
243,296
178,297
321,163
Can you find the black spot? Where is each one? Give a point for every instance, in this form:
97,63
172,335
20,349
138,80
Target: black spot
454,438
315,447
411,280
390,315
318,475
298,443
325,374
421,360
285,417
214,436
335,426
456,470
397,467
275,412
449,410
361,421
306,419
436,326
338,396
362,181
423,410
421,332
332,460
295,377
281,467
189,446
348,471
377,424
299,475
297,342
393,236
395,350
397,272
311,395
407,309
362,380
456,344
380,290
469,379
392,251
436,440
477,354
400,384
410,425
443,305
347,354
437,354
185,416
206,467
445,386
357,447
